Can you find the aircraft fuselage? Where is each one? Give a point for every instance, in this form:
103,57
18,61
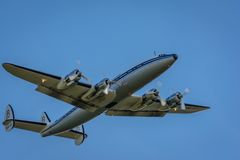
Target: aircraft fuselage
125,84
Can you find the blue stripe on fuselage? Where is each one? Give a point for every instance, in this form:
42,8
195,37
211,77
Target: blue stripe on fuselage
60,119
140,66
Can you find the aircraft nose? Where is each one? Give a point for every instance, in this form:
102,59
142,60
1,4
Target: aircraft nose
175,56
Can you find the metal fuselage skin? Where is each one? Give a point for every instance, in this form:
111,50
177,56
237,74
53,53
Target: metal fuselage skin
126,84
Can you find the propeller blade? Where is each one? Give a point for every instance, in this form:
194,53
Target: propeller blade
186,91
84,77
163,102
78,63
106,90
183,107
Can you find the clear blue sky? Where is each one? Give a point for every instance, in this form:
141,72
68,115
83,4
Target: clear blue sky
109,37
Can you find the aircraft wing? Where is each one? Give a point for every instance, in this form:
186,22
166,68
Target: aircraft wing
128,108
78,136
114,112
37,77
47,85
190,108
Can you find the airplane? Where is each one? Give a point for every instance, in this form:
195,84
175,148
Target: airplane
113,97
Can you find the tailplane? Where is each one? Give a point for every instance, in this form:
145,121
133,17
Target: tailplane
77,134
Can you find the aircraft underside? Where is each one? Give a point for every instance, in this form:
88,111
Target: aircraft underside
114,97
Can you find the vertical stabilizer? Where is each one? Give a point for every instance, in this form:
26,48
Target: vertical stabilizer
9,118
45,118
80,139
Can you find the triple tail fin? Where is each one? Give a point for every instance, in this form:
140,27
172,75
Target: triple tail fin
77,134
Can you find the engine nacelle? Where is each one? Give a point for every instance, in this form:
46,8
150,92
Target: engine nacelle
174,100
147,99
99,89
70,79
102,85
151,95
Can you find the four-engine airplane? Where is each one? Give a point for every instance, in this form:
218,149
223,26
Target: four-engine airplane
112,97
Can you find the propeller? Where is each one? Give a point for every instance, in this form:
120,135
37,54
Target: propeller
184,93
183,107
162,100
84,77
108,85
155,53
106,90
78,63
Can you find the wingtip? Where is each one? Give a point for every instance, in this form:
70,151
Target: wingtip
5,65
205,108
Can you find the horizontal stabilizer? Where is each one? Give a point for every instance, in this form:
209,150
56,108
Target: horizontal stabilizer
10,122
77,134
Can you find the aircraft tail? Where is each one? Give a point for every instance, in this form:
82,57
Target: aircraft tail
9,118
45,118
78,134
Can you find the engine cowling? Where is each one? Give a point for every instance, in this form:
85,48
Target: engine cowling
102,85
151,95
147,99
70,79
174,100
99,89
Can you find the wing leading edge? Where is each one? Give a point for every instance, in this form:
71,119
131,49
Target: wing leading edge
47,83
36,77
